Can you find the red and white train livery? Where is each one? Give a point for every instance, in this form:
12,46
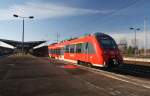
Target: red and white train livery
96,49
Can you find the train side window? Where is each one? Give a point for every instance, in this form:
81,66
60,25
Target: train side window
49,51
67,48
72,48
57,51
61,51
78,48
54,51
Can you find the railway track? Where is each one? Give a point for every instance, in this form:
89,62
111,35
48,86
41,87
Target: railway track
133,70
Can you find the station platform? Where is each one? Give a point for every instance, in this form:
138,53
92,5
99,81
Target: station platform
37,76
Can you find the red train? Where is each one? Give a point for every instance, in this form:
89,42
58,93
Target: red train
96,49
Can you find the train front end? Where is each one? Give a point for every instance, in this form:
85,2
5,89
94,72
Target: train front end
109,50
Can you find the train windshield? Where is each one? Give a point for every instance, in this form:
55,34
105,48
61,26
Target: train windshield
107,43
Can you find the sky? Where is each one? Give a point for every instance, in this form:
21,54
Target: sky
74,18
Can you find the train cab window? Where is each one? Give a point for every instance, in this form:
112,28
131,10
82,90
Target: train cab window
108,43
72,48
51,51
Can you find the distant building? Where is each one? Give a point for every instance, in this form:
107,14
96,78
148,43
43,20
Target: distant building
5,51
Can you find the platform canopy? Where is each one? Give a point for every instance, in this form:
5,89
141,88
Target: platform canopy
18,44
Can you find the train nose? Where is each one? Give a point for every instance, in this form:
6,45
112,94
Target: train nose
112,57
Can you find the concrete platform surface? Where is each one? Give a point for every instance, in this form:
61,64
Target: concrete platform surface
32,76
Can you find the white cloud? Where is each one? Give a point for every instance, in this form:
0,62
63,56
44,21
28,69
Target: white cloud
46,10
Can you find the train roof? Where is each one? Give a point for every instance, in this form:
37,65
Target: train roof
100,34
93,34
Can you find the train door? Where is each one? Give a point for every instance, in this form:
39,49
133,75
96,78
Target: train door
86,52
89,51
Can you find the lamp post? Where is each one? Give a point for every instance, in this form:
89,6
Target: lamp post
145,35
135,30
23,18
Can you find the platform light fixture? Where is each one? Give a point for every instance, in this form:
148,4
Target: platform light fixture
135,30
22,17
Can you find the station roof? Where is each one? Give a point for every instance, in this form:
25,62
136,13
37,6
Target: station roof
18,44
